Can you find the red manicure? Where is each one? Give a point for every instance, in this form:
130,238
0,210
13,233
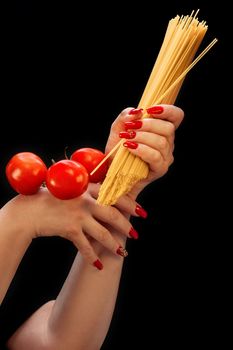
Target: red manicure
122,252
127,134
155,110
130,144
135,111
133,233
136,124
141,212
98,264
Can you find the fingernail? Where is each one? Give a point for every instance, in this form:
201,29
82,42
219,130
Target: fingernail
127,134
136,124
98,264
155,110
135,111
130,144
141,212
133,233
122,252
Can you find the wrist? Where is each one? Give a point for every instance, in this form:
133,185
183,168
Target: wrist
18,219
15,238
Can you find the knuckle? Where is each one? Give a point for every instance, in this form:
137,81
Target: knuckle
86,250
73,235
122,114
171,160
170,128
72,231
162,142
113,214
103,235
165,168
181,113
177,114
126,110
156,157
148,123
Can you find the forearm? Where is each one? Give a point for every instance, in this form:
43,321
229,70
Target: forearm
81,315
83,310
14,241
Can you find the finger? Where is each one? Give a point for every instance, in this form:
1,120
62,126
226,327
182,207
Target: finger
151,156
129,206
94,189
100,233
171,113
118,125
127,114
155,141
118,122
125,203
154,126
85,248
115,219
157,126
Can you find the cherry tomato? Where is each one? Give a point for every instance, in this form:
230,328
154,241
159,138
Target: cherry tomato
90,158
26,172
67,179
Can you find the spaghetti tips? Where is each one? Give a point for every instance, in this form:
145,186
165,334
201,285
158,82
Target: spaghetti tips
125,171
182,39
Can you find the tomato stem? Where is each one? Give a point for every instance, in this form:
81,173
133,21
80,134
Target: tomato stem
65,151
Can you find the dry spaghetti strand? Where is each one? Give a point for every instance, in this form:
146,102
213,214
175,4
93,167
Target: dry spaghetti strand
182,39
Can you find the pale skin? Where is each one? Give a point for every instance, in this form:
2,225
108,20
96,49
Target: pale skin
80,316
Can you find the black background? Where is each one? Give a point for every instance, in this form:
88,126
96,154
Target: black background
68,72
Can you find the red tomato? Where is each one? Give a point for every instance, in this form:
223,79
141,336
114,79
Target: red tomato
26,172
90,158
67,179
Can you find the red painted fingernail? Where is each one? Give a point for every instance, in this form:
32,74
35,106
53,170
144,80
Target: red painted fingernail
133,233
127,134
136,124
135,111
141,212
98,264
155,110
122,251
130,144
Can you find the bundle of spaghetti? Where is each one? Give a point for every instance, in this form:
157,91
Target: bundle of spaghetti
182,39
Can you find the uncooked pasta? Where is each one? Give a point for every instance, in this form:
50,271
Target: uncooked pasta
176,57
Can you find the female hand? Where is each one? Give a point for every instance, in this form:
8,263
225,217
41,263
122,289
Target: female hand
78,220
151,139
